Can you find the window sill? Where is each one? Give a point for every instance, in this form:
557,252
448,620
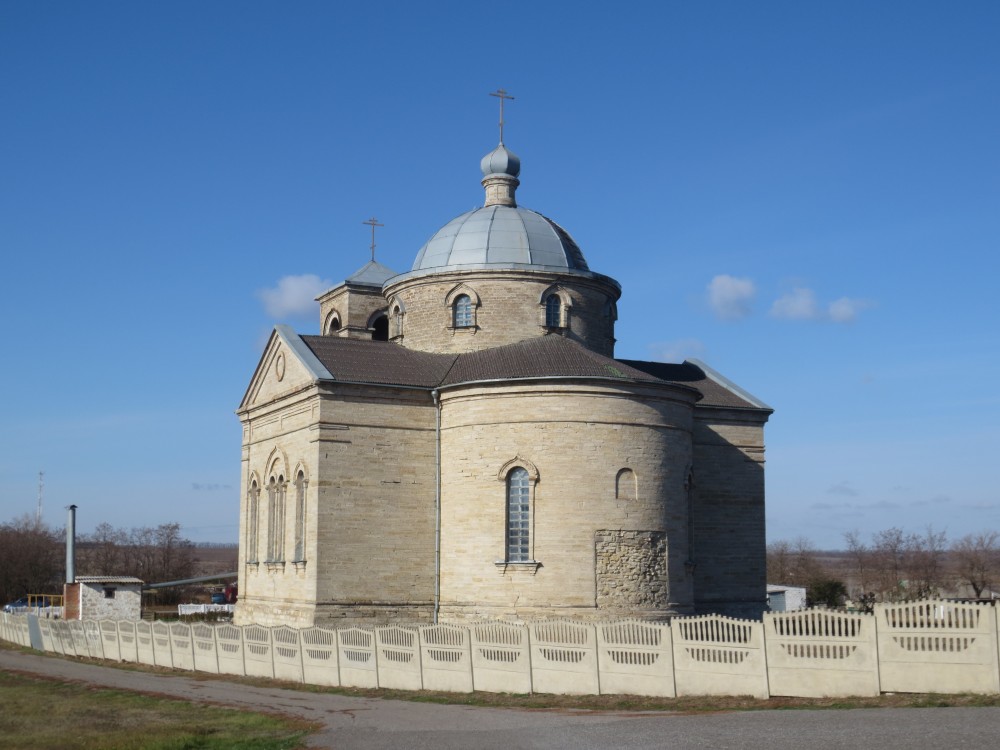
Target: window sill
463,330
528,567
275,565
299,564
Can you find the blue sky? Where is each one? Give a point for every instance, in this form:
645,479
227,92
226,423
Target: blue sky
803,195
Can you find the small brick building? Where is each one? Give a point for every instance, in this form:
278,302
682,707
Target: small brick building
460,442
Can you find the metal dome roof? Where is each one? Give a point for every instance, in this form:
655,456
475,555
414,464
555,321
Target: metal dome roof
501,235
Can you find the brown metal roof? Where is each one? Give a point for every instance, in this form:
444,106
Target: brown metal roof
713,393
379,362
543,357
385,363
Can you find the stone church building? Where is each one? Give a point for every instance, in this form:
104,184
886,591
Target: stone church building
460,442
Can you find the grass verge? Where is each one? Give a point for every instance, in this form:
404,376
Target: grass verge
39,714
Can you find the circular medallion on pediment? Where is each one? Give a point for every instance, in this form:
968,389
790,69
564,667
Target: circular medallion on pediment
279,367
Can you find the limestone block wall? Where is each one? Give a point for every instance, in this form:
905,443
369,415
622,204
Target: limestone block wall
369,457
728,536
574,439
353,306
508,309
374,508
279,441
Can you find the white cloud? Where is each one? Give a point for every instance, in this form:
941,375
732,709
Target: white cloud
801,304
798,304
293,295
843,488
676,351
730,297
846,310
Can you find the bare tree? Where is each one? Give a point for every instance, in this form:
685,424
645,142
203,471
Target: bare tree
977,560
889,551
31,560
925,563
897,565
861,561
104,550
793,563
154,554
779,561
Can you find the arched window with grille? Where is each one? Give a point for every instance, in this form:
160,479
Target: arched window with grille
464,315
518,515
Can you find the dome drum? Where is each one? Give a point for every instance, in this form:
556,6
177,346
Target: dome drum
507,304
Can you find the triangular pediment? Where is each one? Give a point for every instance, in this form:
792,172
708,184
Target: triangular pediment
286,366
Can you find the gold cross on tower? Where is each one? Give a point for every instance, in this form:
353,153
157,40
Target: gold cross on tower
373,222
501,95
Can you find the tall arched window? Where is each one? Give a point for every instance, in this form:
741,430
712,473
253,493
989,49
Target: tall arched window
553,311
300,517
380,328
518,516
276,520
253,517
334,325
464,316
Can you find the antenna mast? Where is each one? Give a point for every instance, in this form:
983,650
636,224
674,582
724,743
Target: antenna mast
41,494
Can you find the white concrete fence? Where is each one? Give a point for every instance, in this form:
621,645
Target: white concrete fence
917,647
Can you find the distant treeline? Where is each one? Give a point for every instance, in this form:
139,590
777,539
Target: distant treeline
895,565
33,560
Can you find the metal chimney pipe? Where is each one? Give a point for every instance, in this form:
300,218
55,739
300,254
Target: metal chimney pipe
71,545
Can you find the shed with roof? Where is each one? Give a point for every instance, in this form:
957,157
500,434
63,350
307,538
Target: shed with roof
103,598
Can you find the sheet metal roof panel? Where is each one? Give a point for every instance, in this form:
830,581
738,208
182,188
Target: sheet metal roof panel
122,580
379,362
540,357
500,234
371,273
688,373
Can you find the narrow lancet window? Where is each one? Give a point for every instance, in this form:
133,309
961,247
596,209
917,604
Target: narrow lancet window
276,520
253,517
300,517
553,311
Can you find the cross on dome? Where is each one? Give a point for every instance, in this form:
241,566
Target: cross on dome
373,222
501,95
